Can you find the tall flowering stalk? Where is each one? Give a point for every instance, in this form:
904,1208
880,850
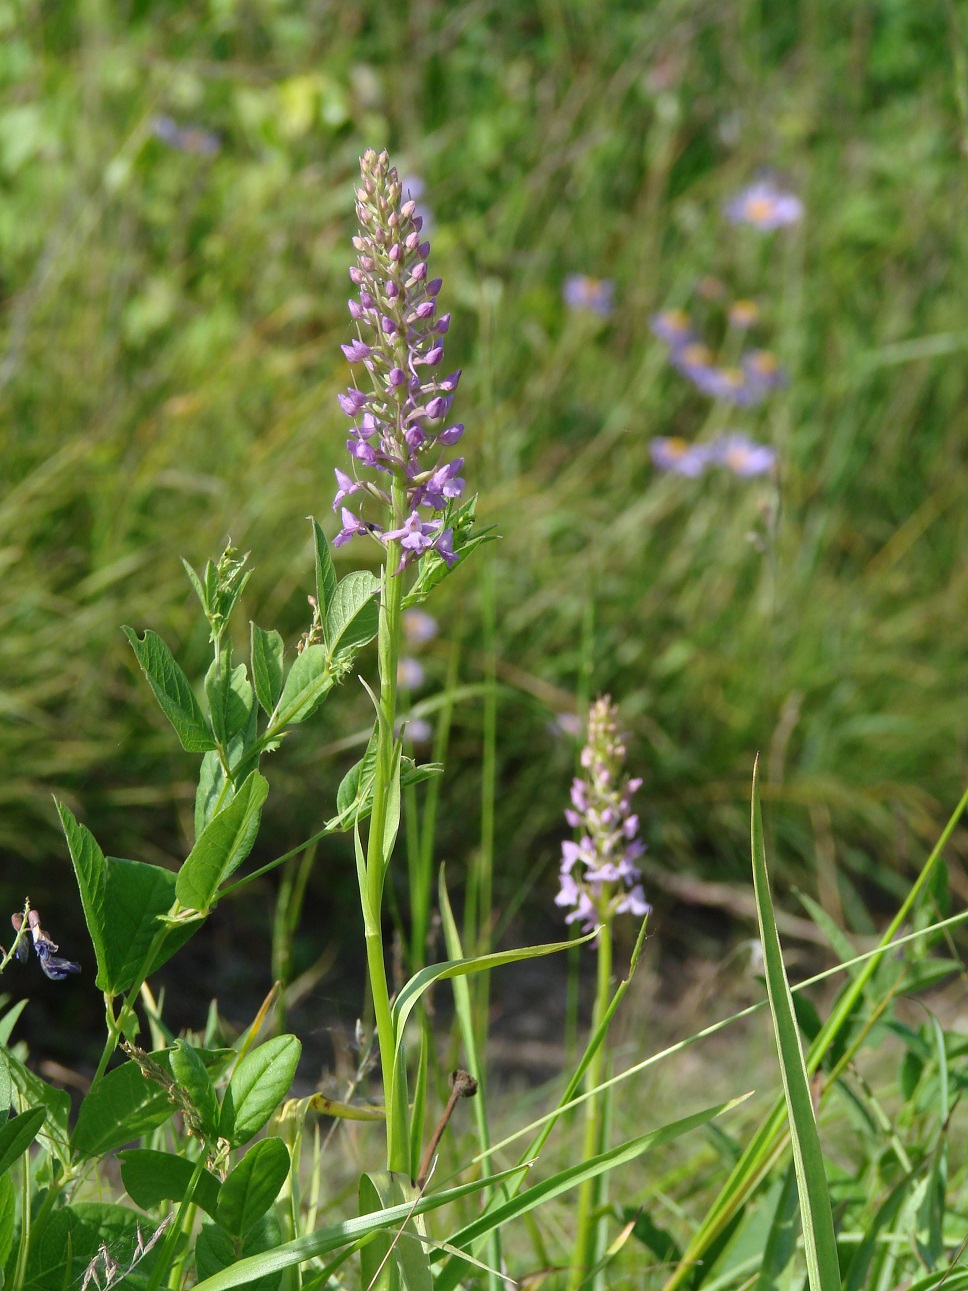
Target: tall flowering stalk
599,880
404,490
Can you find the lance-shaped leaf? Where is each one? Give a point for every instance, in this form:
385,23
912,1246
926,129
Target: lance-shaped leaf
352,616
18,1134
172,690
310,680
398,1258
222,846
819,1241
253,1186
258,1086
267,653
325,569
122,902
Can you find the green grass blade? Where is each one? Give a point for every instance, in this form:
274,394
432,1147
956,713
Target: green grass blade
333,1238
563,1181
820,1243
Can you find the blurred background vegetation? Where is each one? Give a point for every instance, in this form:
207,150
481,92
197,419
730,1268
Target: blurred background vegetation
171,309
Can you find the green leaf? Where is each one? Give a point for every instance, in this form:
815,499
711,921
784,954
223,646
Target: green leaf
258,1085
17,1135
398,1252
122,902
8,1211
216,1252
356,786
253,1186
72,1237
820,1245
6,1084
353,615
53,1135
153,1177
189,1071
223,845
213,794
325,570
267,654
124,1104
310,679
230,701
172,691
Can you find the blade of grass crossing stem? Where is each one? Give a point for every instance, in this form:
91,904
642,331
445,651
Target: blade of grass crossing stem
819,1241
754,1163
468,1034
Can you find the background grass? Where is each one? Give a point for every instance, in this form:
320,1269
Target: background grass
170,363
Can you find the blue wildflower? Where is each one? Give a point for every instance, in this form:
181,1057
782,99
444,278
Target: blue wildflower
594,294
765,206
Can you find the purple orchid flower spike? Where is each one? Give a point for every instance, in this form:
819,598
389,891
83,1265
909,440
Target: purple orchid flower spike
599,877
400,407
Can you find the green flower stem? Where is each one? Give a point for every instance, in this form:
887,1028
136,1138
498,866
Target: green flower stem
586,1232
377,859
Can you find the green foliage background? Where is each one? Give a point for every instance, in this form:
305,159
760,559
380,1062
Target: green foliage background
169,365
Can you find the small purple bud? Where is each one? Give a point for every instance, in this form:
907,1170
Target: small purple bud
423,251
442,326
419,273
396,251
434,356
396,377
352,402
356,276
451,435
356,351
355,308
388,326
434,286
449,383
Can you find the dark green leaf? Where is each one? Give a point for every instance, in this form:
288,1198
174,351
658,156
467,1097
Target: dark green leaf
125,1103
172,690
253,1186
8,1211
356,787
189,1070
17,1135
215,1249
122,902
153,1177
258,1086
53,1135
223,845
325,569
310,679
353,614
64,1247
267,653
230,701
212,794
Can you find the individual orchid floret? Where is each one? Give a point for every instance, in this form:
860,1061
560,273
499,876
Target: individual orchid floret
598,875
597,295
399,405
765,206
